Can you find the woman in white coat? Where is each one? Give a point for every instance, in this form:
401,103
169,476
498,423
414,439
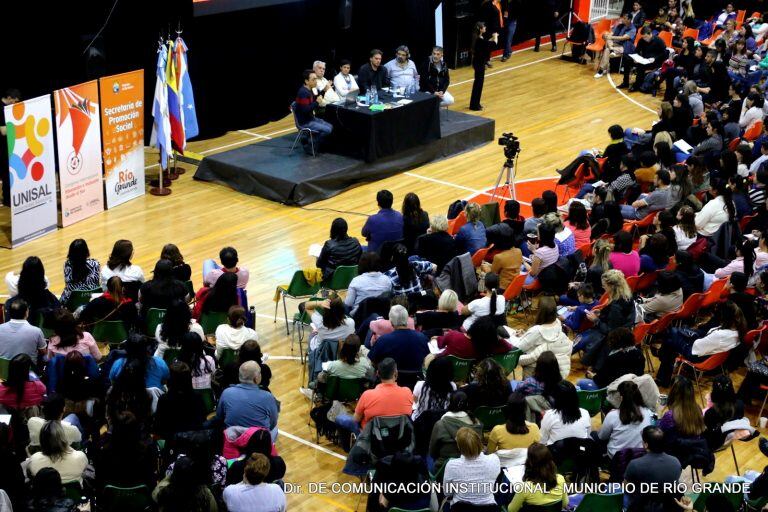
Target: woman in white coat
547,334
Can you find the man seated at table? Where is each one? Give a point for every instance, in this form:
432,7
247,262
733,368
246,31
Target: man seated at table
401,70
306,103
435,78
323,84
372,73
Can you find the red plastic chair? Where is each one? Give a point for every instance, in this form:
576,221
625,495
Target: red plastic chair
515,288
714,294
601,28
641,331
691,32
740,15
734,144
455,224
689,308
586,251
632,282
711,363
647,220
745,220
708,42
666,36
754,131
644,281
479,256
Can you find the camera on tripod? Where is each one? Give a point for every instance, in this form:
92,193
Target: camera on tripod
511,145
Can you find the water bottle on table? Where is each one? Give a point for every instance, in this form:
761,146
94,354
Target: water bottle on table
374,95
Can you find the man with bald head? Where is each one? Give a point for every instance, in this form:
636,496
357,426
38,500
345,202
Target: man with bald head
246,404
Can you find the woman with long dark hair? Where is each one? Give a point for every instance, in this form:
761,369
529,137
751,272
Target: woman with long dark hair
481,53
415,220
202,365
624,257
697,346
578,223
129,393
490,386
31,285
725,407
745,260
491,304
515,432
545,252
180,409
566,418
153,370
185,490
546,376
126,456
544,484
162,289
685,229
179,269
654,254
668,297
349,365
624,356
69,336
81,272
435,390
19,391
119,264
340,249
683,418
406,275
217,298
480,341
623,427
176,323
330,320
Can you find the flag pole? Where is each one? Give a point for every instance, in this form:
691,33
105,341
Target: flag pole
161,189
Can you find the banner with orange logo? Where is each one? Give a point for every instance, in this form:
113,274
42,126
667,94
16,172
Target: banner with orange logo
122,128
32,166
78,137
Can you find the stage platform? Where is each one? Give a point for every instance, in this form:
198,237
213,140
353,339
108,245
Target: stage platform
269,169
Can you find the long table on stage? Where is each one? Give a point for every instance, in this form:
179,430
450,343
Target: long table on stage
369,135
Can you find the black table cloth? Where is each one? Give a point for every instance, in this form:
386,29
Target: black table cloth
369,135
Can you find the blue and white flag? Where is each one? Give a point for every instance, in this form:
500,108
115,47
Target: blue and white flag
187,98
161,129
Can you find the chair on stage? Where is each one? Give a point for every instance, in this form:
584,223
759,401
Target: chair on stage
302,131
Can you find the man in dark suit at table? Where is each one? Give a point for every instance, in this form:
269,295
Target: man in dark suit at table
372,73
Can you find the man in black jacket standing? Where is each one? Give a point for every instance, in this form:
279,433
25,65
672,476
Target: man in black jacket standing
435,77
649,47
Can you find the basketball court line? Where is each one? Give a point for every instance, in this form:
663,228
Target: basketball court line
610,81
454,185
519,66
312,445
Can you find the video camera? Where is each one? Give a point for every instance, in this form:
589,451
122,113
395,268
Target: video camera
511,145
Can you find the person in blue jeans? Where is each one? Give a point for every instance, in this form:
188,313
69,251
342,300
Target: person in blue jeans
510,11
304,112
577,312
659,199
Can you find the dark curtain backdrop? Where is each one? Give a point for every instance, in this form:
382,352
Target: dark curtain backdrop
245,66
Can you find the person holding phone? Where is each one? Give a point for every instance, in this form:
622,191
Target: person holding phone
544,250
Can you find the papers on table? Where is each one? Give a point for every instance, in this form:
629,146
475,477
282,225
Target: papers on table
683,146
599,183
404,101
640,60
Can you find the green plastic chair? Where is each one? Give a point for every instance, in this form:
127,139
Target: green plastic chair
592,401
211,320
39,321
461,368
756,505
398,509
437,476
601,502
208,399
126,499
552,507
509,361
228,356
73,491
170,355
154,318
341,277
298,288
110,331
80,298
4,368
490,416
344,390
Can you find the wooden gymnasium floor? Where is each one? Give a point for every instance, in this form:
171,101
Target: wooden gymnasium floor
556,108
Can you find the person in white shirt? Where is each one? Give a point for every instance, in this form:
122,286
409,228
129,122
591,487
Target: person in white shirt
402,70
492,303
566,418
56,453
761,159
717,211
344,82
546,335
119,264
470,478
176,323
253,493
623,427
751,111
323,85
232,335
699,347
685,229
